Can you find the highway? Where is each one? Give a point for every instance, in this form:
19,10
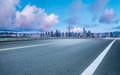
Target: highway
60,57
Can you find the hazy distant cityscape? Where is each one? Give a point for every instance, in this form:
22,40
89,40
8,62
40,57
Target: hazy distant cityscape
58,33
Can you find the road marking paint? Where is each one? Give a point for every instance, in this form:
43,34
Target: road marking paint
93,66
26,46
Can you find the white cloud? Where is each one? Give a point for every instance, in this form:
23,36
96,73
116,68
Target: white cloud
7,13
97,6
30,18
76,29
107,16
48,21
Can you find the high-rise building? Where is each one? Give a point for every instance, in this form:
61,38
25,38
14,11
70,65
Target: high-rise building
89,33
52,34
58,33
84,33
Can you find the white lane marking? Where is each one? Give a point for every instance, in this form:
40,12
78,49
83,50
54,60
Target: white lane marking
93,66
26,46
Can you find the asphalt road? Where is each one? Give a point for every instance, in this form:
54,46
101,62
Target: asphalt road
111,63
58,57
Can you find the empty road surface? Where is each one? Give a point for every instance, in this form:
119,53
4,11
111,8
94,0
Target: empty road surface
60,57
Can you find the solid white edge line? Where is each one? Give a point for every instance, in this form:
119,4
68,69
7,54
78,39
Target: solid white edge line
93,66
26,46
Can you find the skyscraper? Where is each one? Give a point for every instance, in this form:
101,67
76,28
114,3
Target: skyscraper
84,33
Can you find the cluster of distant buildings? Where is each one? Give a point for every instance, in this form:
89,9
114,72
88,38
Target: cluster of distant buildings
59,33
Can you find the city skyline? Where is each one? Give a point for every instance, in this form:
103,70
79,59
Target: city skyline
48,15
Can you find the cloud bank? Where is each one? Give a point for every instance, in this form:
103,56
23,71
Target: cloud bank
35,18
107,17
74,13
97,7
7,14
72,21
30,18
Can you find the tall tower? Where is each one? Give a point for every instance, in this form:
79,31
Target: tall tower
84,29
84,33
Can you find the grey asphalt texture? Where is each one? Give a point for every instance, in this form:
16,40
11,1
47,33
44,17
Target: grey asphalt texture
111,63
65,57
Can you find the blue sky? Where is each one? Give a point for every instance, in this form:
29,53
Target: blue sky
47,15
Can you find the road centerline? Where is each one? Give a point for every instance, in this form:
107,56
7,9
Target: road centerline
93,66
26,46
